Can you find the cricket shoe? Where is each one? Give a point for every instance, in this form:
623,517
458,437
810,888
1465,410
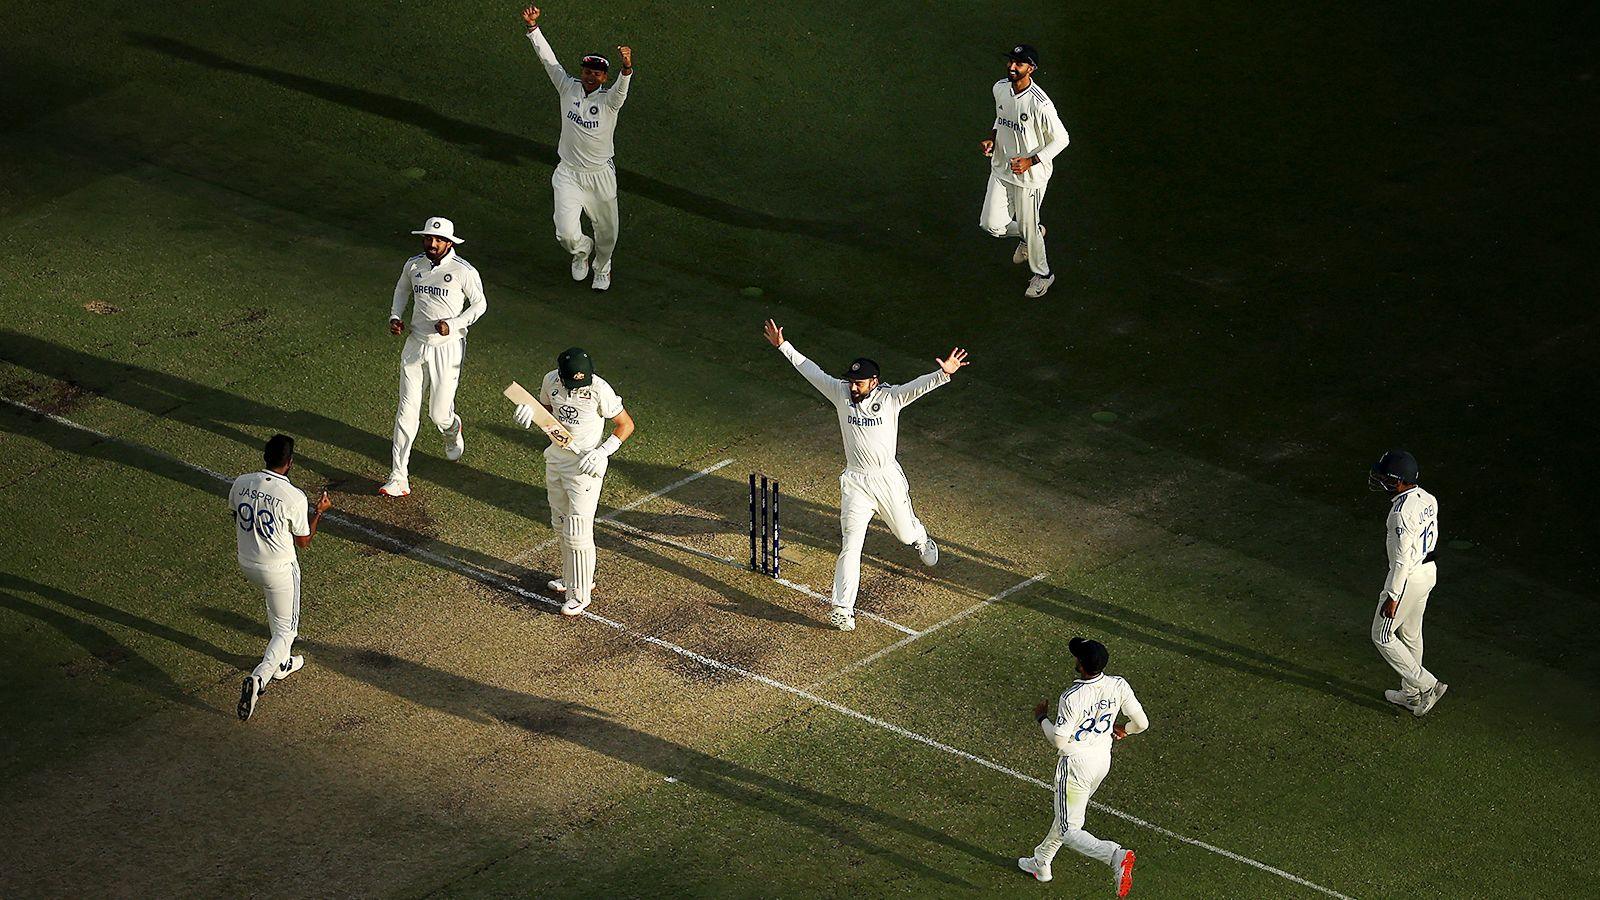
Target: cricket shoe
395,487
574,606
557,585
1038,284
457,444
1401,699
928,550
1122,872
1032,867
1426,702
841,619
602,280
248,696
288,667
1020,255
580,266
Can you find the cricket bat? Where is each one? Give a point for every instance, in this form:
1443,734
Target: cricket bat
559,435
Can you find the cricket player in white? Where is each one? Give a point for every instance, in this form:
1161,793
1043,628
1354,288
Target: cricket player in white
270,518
585,181
1083,730
446,297
574,475
1027,135
872,482
1412,540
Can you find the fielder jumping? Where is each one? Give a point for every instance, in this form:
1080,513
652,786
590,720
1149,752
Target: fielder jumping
446,297
585,181
1026,136
271,521
872,482
1413,539
582,401
1083,731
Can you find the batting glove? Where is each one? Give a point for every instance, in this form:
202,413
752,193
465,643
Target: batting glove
524,415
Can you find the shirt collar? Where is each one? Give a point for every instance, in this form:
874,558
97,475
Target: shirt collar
448,255
1090,680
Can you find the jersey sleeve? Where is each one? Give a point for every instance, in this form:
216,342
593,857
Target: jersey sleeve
477,304
548,386
547,58
610,403
826,384
1405,545
1137,720
618,94
300,514
1058,731
911,391
233,508
1055,134
402,292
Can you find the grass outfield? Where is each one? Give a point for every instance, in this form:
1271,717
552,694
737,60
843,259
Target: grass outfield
1285,241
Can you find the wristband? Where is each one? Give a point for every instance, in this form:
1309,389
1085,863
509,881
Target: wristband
610,445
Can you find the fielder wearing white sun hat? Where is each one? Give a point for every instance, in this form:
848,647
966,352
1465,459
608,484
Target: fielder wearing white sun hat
440,227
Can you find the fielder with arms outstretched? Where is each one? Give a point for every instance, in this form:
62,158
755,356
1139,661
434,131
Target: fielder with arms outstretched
574,475
872,482
585,181
1083,730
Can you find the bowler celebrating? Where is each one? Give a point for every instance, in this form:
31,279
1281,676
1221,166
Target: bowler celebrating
1026,136
585,181
270,521
1412,539
574,475
446,297
1083,730
873,482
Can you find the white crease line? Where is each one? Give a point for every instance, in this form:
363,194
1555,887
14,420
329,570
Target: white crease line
869,660
611,516
734,563
493,580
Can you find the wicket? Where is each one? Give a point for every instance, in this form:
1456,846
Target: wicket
771,546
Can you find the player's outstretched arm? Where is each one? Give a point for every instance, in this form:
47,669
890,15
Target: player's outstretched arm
547,55
618,94
910,391
826,384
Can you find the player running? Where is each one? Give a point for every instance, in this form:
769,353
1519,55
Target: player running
1026,136
271,521
581,401
585,181
873,482
1413,539
1083,731
446,297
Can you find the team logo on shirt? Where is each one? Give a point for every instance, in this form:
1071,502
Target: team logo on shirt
447,277
1024,117
568,413
594,110
877,406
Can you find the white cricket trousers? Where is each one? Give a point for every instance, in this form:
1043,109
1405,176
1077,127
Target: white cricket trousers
587,191
439,367
573,498
1077,778
281,586
861,494
1011,210
1399,640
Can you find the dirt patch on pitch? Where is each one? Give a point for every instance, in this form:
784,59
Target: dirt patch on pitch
58,398
102,308
404,519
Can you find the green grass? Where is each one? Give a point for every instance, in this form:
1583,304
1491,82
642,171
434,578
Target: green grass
1287,238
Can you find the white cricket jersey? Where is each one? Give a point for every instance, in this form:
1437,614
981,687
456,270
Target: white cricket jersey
268,513
588,120
1025,124
450,290
583,411
1088,711
1413,534
871,428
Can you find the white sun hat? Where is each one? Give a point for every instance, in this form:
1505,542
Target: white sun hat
440,227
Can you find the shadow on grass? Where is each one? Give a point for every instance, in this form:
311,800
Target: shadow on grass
1146,629
499,146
